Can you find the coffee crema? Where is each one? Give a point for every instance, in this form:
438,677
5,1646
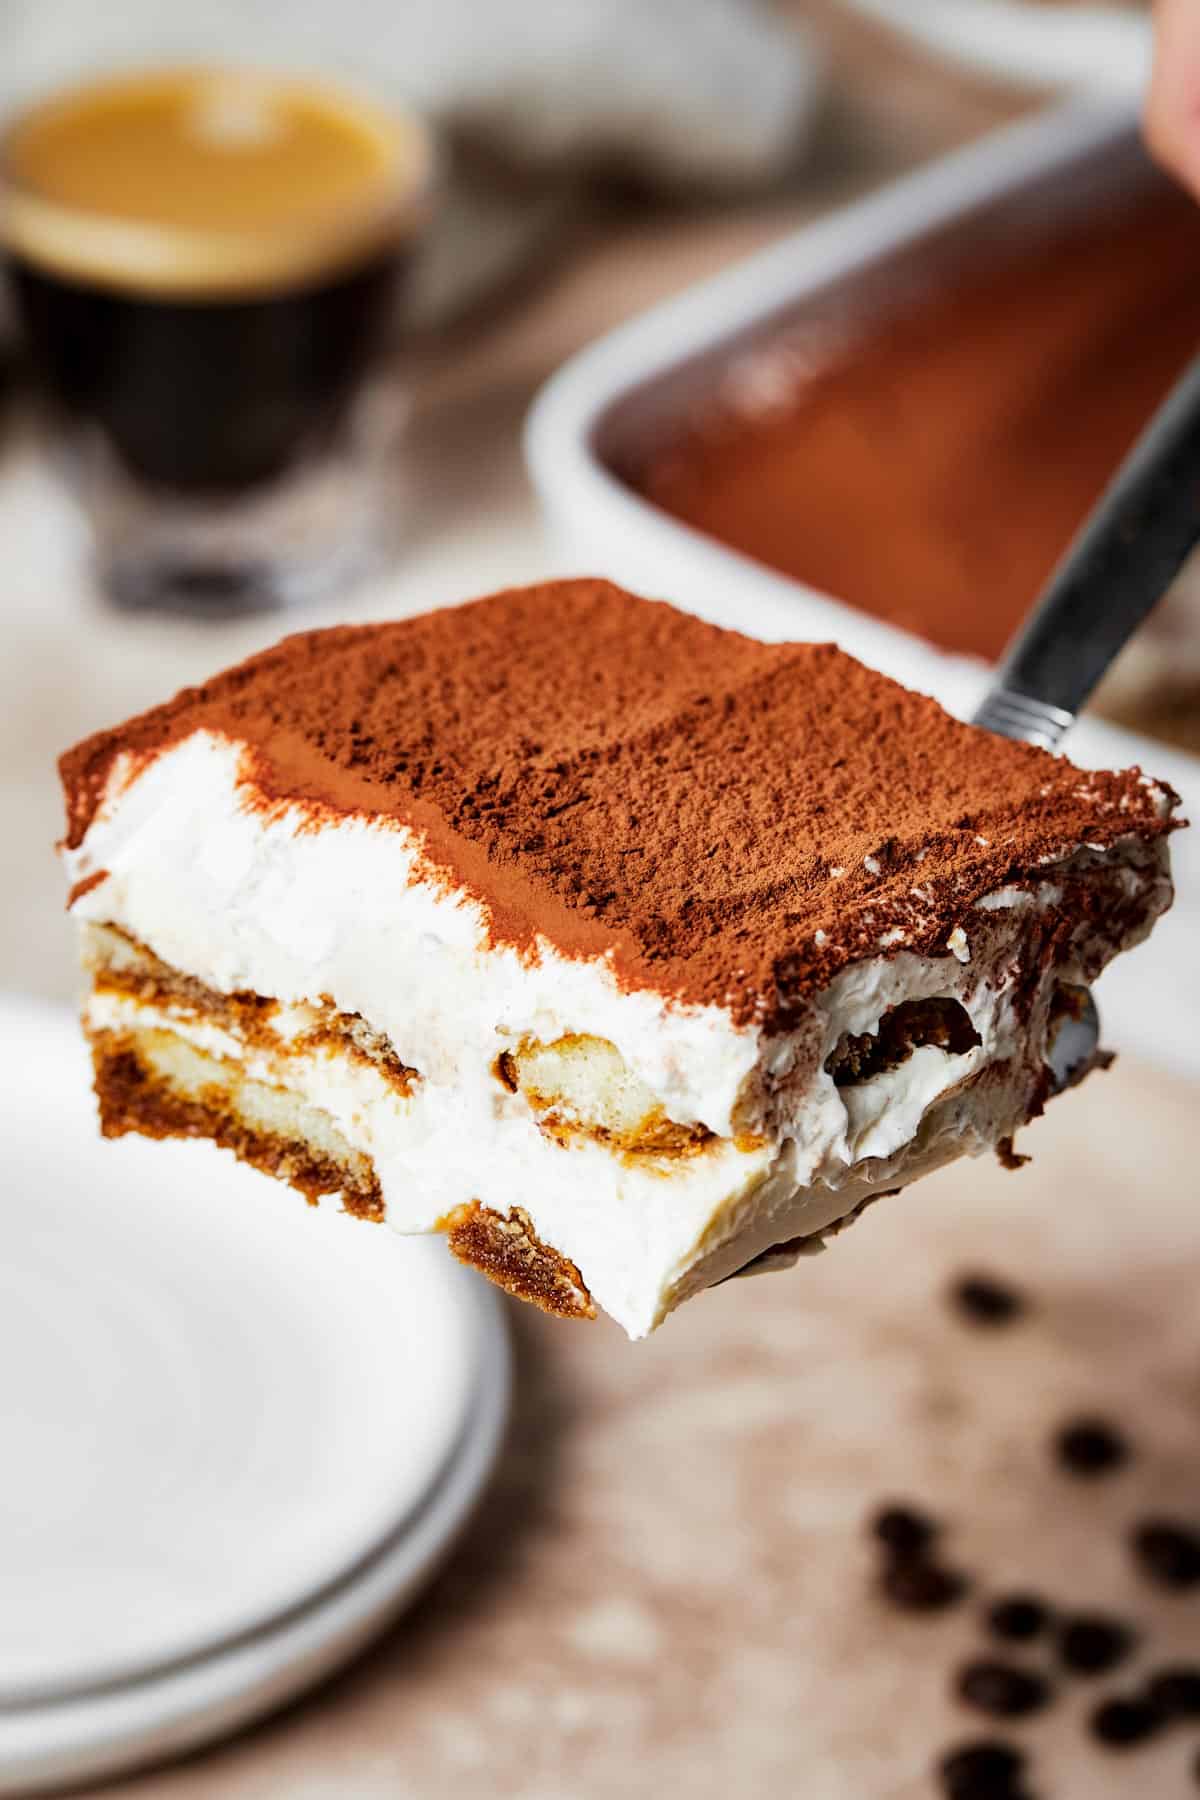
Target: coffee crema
201,182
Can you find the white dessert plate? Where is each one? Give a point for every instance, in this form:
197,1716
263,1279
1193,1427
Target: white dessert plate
237,1431
1104,48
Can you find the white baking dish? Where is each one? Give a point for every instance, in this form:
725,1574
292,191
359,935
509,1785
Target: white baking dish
631,384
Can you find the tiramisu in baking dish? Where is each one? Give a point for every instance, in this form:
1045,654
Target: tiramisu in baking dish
617,947
931,465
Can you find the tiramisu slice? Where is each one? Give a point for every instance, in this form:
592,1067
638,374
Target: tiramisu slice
617,947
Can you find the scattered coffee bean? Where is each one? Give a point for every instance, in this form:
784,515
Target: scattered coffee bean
985,1301
1090,1447
1090,1643
1175,1692
905,1530
1121,1723
918,1585
984,1787
1002,1689
987,1770
1018,1617
1169,1554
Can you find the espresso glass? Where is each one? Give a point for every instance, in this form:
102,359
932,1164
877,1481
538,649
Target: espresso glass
207,265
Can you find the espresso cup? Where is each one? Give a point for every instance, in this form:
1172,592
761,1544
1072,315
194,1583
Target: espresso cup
207,264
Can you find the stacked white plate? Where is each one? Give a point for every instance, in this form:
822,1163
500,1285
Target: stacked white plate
237,1433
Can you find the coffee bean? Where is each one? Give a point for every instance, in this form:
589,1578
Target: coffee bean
904,1530
1090,1447
1002,1689
984,1787
984,1756
1196,1769
985,1301
987,1770
1122,1723
918,1585
1090,1643
1168,1554
1017,1617
1175,1692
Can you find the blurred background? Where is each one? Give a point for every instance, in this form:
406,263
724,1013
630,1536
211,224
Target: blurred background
671,1585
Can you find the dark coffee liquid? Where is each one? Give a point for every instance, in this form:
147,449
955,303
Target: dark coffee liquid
214,394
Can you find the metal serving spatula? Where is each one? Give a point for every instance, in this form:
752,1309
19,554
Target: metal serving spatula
1120,565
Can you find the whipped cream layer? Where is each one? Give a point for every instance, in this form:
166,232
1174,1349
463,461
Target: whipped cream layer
344,910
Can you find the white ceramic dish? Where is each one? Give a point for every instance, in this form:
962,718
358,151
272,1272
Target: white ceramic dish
238,1434
632,383
1103,48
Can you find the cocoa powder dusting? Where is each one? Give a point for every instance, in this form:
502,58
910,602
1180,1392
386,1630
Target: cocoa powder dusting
85,886
731,821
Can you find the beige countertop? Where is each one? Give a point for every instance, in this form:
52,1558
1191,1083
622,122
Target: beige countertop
668,1590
